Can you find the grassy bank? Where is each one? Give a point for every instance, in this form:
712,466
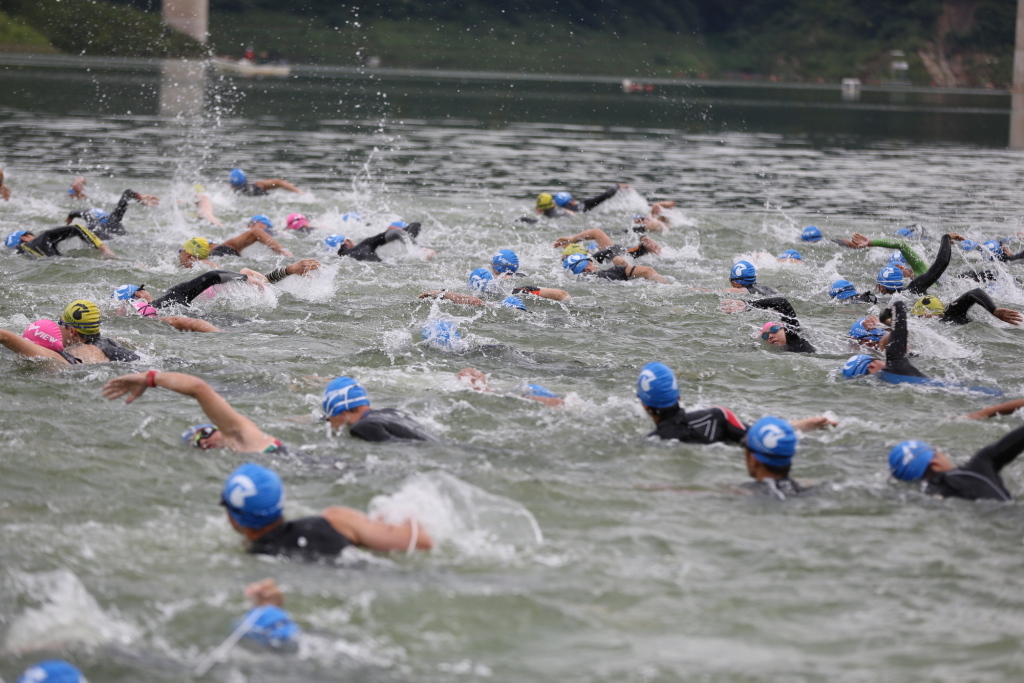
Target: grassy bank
17,37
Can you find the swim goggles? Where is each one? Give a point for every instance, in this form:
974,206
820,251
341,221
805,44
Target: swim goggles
202,433
770,331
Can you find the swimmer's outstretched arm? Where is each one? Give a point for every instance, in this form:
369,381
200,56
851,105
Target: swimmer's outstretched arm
240,433
375,535
645,272
262,236
1007,408
809,424
184,324
28,349
596,234
77,190
303,267
545,293
206,210
458,298
277,184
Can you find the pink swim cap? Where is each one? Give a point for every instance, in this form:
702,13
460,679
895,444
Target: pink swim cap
45,333
768,326
297,221
144,308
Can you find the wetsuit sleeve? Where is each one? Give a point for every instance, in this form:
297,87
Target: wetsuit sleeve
367,249
921,283
917,264
956,312
996,456
89,237
896,352
370,431
733,429
185,292
1015,257
117,215
781,305
75,214
590,203
277,274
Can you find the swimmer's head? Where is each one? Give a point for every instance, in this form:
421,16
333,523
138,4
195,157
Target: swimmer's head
341,395
904,232
262,220
862,335
743,272
83,316
441,333
272,627
897,257
811,234
97,216
253,496
575,248
545,201
144,308
15,238
125,292
772,441
296,221
774,333
790,254
481,280
909,460
398,225
562,199
332,242
199,436
860,365
656,387
513,302
969,245
928,306
993,249
505,261
51,671
842,290
198,247
577,263
526,389
45,333
237,178
890,279
351,216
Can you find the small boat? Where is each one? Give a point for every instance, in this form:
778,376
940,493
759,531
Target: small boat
248,68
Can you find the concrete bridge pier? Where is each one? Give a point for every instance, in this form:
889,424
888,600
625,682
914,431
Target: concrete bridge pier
191,17
1017,112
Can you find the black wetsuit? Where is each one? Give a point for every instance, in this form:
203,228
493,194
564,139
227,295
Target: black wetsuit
249,190
584,205
112,350
896,362
184,293
113,225
979,478
921,283
615,273
387,424
956,312
713,425
617,250
309,538
45,243
776,488
367,249
761,290
794,342
224,250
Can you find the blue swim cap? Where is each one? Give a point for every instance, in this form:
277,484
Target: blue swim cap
194,434
124,292
51,671
861,333
810,234
237,177
842,289
968,245
253,496
14,239
897,257
332,242
481,280
905,232
272,628
534,390
513,302
351,216
577,263
994,248
743,272
441,333
563,198
505,261
95,215
398,224
909,460
891,278
656,387
262,218
341,394
791,253
772,441
857,366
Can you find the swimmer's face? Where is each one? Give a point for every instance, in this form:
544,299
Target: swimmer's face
907,272
27,237
348,244
777,338
186,259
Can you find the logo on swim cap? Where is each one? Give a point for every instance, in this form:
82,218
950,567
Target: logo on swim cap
993,249
545,201
842,289
891,278
82,315
341,394
332,242
811,234
577,263
574,248
51,671
790,253
969,245
563,198
656,386
95,216
198,247
441,333
124,292
253,496
743,272
45,333
772,441
928,305
14,239
237,178
264,219
505,261
481,280
909,460
857,366
513,302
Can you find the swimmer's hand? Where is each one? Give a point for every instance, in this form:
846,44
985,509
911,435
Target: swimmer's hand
134,385
476,380
809,424
563,242
1008,316
255,278
871,322
149,199
859,241
302,267
623,186
106,252
733,306
78,188
956,237
432,294
265,592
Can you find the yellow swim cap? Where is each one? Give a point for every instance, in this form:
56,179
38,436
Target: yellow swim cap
82,315
928,305
545,201
199,188
197,246
575,248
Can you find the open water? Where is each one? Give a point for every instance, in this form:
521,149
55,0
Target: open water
570,549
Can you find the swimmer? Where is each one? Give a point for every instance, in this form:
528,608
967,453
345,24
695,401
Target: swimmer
978,479
769,450
606,249
621,270
786,333
78,341
811,234
477,381
890,278
345,402
367,249
1007,408
43,339
106,225
45,244
482,281
562,203
998,251
790,256
204,207
77,189
298,223
743,278
230,429
5,192
270,626
470,300
869,332
51,671
253,497
241,185
956,312
200,248
843,290
658,391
